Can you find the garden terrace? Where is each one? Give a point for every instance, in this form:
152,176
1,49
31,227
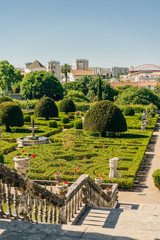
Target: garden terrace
74,152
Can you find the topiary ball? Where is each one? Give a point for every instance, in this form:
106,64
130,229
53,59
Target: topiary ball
65,120
5,99
52,124
67,105
11,115
46,107
156,178
104,117
78,124
70,116
129,111
27,118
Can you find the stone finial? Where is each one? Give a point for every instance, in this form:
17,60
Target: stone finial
113,167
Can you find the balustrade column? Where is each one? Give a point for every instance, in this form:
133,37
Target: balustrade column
61,215
45,210
54,215
16,202
1,196
41,210
36,209
8,198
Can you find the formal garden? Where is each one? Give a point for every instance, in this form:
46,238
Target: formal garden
73,151
87,122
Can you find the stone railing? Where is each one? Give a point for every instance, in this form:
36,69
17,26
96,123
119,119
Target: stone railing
21,198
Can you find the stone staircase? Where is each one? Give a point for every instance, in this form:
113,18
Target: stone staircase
127,221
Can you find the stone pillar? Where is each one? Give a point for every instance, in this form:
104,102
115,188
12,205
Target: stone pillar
113,167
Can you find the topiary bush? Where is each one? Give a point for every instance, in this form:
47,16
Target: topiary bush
5,99
139,116
27,118
70,116
11,115
67,105
152,114
129,111
104,117
65,120
1,158
78,124
156,178
52,124
46,107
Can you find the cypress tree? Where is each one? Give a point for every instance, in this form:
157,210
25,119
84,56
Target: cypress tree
99,90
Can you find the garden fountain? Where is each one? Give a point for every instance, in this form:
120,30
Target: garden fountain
32,139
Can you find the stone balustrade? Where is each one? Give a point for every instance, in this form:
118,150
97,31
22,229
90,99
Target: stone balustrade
27,200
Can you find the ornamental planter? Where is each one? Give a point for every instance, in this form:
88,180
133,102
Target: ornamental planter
22,164
108,192
62,190
98,181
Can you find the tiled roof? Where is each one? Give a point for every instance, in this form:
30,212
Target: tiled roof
82,72
141,84
35,64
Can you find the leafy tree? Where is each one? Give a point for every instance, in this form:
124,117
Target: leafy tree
157,89
40,83
5,99
8,75
11,115
135,95
46,107
65,70
88,85
67,105
104,117
77,96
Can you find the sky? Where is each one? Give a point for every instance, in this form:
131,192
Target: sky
106,32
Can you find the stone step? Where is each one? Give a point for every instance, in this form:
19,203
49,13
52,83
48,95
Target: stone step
20,230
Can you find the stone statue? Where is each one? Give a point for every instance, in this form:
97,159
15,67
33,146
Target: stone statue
113,167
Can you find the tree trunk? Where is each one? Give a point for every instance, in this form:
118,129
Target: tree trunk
8,128
66,84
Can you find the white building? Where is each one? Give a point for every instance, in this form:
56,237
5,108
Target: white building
119,71
35,66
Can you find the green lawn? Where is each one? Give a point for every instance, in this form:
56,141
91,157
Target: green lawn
88,154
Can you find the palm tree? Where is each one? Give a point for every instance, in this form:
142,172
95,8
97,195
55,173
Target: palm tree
65,70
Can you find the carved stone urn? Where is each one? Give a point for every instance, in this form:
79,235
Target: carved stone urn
62,190
22,164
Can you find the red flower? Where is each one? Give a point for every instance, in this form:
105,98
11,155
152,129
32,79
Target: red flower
77,167
106,188
79,171
102,145
70,173
63,181
32,155
79,150
22,151
102,177
62,163
97,175
66,182
82,158
57,183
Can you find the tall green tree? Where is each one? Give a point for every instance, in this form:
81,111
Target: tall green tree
99,90
39,83
8,75
65,70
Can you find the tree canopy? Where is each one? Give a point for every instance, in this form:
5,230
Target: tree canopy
8,75
89,86
40,83
65,69
104,117
135,95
